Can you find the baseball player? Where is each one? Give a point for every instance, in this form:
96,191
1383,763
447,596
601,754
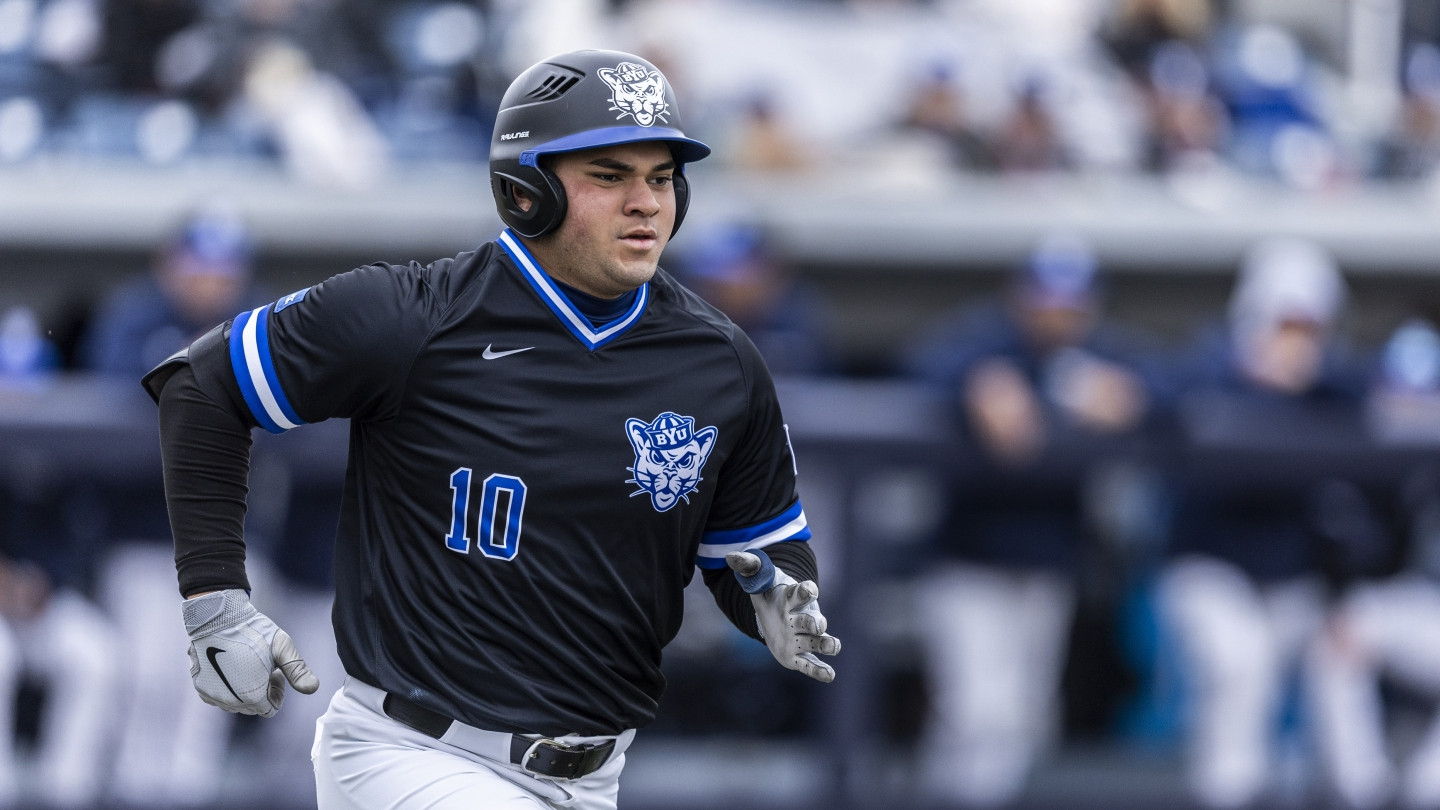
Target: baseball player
547,435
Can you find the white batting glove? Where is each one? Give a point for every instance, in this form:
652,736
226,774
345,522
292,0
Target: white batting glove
239,659
787,613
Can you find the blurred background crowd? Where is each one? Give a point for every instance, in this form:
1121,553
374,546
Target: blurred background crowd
1315,95
1106,331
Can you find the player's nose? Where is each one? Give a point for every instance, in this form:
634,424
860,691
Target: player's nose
643,198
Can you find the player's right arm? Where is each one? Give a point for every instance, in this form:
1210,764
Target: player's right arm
338,349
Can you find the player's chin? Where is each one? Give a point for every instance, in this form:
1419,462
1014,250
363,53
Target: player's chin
636,272
639,257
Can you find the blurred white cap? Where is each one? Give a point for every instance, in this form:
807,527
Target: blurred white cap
1287,279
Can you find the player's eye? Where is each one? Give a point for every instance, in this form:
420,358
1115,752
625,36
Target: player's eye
663,180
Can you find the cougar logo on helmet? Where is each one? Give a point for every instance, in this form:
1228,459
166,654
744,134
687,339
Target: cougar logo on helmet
636,92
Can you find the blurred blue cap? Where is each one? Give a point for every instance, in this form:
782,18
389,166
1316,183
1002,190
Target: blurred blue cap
1060,273
214,241
1411,358
725,252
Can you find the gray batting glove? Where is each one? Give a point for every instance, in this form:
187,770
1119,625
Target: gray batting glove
239,659
787,613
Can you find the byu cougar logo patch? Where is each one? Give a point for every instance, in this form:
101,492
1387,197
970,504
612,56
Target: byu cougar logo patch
636,92
669,454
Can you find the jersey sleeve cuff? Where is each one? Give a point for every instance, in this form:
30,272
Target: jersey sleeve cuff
255,372
788,525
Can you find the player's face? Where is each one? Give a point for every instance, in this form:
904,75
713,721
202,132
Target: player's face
621,210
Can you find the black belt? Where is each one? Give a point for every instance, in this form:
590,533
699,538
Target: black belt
540,755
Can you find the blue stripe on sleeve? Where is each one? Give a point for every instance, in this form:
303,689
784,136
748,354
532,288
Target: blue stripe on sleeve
788,525
242,373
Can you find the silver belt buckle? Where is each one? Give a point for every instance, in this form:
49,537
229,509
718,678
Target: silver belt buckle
532,752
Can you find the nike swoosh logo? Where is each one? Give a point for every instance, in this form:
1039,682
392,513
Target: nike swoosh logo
212,653
491,354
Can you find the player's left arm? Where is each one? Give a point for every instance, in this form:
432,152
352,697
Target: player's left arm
773,595
755,555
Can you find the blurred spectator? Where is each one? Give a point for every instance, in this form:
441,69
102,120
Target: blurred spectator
1188,124
936,108
200,276
62,642
1271,90
170,753
1028,139
324,134
1411,151
1403,406
1384,629
182,84
339,91
67,38
1244,587
763,142
27,357
1043,389
735,268
54,635
1135,29
136,31
446,89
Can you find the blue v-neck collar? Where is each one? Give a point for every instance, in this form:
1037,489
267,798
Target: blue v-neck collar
570,317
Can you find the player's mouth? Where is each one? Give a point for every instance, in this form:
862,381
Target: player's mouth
640,239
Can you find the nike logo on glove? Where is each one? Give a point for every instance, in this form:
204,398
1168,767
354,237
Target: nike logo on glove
491,354
211,653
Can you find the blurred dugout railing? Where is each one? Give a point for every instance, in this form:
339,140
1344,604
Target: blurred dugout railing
873,460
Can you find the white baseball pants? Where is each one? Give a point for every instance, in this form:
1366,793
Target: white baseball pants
1391,626
172,746
1240,639
364,760
71,646
995,643
9,682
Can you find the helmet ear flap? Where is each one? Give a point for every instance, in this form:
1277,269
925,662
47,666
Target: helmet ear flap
682,196
547,204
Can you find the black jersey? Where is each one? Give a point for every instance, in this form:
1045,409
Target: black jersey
527,494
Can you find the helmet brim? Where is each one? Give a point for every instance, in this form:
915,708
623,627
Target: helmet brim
687,150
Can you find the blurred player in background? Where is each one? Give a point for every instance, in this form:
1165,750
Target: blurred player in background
202,272
170,752
548,435
1244,587
1385,629
54,636
734,267
1028,378
9,692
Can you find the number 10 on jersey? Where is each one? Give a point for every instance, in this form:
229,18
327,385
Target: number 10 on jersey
502,504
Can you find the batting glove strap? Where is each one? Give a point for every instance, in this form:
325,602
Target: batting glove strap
239,659
787,614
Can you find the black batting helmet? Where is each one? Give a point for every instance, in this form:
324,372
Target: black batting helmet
574,101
